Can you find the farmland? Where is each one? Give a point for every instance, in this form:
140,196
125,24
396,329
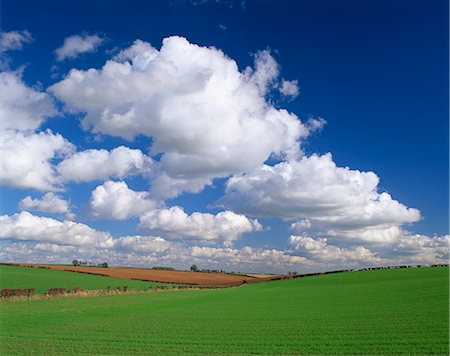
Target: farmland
402,311
43,279
180,277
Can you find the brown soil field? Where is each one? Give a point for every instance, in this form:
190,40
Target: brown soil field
262,275
179,277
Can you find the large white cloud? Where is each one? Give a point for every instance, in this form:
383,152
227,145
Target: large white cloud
27,227
77,44
206,117
93,164
225,226
49,203
114,200
27,159
315,188
22,107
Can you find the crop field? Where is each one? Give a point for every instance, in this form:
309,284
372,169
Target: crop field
43,279
403,311
180,277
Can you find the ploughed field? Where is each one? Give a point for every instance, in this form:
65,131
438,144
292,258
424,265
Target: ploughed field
403,311
179,277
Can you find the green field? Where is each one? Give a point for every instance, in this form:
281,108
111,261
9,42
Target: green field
402,311
43,279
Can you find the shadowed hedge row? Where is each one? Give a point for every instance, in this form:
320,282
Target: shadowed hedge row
28,292
12,293
15,292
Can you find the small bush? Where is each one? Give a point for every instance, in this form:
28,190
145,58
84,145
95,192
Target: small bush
78,290
7,292
56,291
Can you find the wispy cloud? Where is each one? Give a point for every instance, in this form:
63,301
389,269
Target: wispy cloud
77,44
14,40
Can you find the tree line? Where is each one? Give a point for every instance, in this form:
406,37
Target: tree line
79,263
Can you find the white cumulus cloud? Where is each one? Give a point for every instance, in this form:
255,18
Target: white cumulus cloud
28,227
49,240
316,189
27,159
69,237
301,225
225,226
93,164
142,244
77,44
321,251
420,248
270,259
389,246
206,118
114,200
49,203
22,107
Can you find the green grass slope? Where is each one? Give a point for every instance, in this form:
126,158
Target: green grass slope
43,279
371,313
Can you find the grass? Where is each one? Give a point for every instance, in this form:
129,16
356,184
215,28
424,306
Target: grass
43,279
382,312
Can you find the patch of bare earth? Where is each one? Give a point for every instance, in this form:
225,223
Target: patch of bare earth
179,277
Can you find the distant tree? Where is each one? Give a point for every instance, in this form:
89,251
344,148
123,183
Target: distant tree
194,268
163,268
103,265
76,262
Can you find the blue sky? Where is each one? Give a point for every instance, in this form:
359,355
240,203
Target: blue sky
375,71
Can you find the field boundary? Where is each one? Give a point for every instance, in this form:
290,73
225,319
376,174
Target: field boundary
109,292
